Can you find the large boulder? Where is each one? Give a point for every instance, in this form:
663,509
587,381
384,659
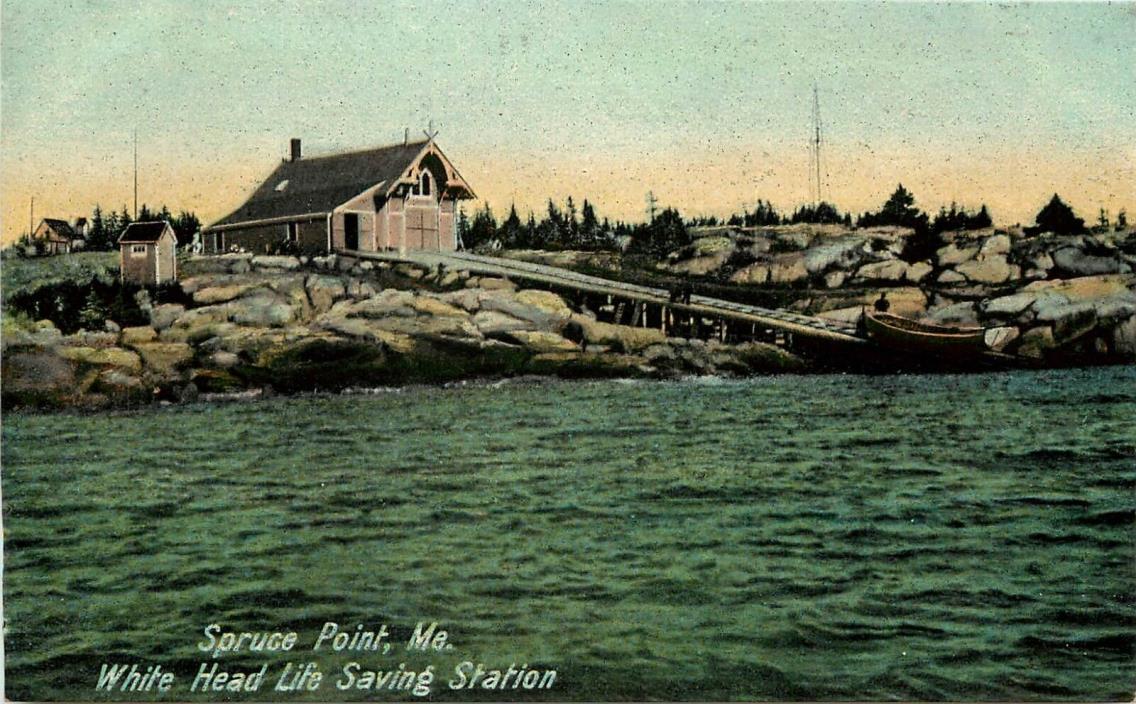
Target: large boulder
1009,306
221,294
491,322
619,336
917,272
893,270
541,312
540,342
998,244
163,316
782,269
164,358
280,263
999,338
427,305
1088,287
842,254
102,356
1124,339
993,269
958,314
1035,342
324,291
264,309
953,254
1073,261
36,376
132,336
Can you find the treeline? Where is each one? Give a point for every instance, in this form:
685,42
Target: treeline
564,228
106,227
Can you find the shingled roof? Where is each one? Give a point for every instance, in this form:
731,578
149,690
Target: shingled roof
319,184
143,232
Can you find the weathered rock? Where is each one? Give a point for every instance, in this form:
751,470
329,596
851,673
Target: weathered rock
998,339
224,360
1088,287
1009,306
163,316
261,310
620,336
546,301
108,356
427,305
961,314
131,336
549,318
1124,339
539,341
998,244
87,338
1070,321
111,326
164,358
493,284
1036,342
834,279
1072,261
466,298
952,255
917,272
841,253
783,269
389,302
491,322
36,376
992,269
285,263
221,294
887,270
324,291
950,276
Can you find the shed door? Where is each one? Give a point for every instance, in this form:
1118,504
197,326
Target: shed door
351,231
421,228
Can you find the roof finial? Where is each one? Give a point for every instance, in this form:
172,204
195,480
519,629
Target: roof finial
430,132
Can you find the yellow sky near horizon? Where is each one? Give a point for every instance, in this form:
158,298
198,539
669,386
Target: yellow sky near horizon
706,104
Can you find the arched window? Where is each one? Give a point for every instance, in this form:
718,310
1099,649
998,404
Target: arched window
424,180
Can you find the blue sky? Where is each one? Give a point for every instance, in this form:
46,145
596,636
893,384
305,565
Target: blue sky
706,103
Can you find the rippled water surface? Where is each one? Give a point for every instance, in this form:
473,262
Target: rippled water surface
830,537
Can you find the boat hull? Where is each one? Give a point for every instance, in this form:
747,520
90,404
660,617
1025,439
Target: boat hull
899,333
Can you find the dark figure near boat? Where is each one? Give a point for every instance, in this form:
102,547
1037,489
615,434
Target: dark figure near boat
882,303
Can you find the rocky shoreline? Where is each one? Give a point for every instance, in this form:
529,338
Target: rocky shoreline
250,326
286,325
1050,300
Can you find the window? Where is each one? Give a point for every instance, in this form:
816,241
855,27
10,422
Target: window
425,180
137,250
293,232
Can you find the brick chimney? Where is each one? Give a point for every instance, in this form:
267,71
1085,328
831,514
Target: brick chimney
295,155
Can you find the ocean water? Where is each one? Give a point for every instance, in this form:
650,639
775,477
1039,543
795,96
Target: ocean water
818,537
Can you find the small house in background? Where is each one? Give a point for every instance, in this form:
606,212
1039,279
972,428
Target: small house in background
54,236
148,253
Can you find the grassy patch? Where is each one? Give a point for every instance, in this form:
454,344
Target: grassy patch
26,275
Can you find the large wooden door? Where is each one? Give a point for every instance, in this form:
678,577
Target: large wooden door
421,228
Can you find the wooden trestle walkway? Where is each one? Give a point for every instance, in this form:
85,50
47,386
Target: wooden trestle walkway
644,306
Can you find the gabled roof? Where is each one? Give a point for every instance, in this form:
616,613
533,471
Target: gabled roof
61,227
317,185
143,232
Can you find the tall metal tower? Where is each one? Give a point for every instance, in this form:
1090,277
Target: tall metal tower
816,184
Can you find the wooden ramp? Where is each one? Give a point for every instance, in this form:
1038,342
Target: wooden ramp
802,326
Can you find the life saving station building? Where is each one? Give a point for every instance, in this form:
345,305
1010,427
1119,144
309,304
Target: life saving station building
398,197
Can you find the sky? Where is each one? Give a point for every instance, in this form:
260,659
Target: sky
706,104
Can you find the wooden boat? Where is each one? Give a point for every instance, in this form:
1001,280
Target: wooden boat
901,333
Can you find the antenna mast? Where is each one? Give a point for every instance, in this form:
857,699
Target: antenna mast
135,173
815,149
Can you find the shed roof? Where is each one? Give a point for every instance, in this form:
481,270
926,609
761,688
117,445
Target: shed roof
317,185
143,232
